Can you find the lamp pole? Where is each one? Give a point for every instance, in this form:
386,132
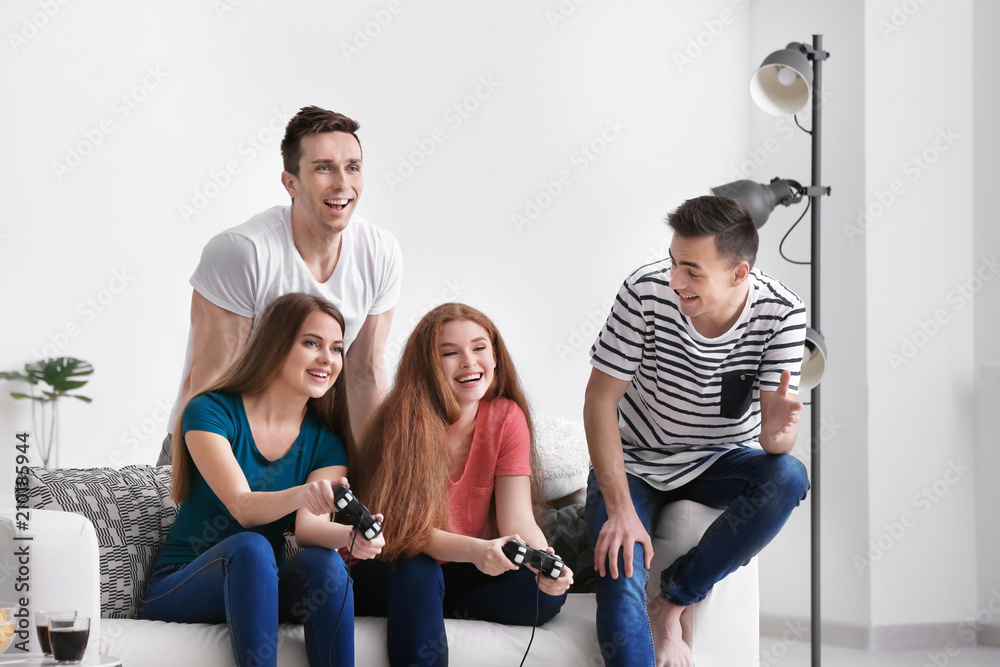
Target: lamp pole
815,192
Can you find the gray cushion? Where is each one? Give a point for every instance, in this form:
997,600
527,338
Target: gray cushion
131,510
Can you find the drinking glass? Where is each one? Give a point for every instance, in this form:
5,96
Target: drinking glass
69,639
42,619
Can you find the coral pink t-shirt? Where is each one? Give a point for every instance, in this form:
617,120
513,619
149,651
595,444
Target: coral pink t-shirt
500,446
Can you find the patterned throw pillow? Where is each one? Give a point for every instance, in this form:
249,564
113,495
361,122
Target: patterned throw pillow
131,510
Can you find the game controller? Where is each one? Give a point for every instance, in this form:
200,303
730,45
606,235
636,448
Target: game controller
520,553
356,512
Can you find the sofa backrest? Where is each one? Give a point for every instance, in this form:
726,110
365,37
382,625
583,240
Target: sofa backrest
131,510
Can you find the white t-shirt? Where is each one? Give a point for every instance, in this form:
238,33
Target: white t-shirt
245,268
690,399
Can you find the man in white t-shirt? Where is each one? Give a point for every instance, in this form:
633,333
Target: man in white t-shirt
692,396
316,245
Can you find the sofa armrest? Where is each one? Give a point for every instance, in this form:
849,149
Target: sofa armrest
65,568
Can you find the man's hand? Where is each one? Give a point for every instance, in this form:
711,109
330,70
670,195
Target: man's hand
779,416
621,532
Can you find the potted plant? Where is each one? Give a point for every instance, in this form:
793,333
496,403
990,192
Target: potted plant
61,375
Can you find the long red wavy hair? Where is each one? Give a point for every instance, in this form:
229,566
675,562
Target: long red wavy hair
403,457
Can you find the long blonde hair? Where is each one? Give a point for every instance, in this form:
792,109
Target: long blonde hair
403,458
260,361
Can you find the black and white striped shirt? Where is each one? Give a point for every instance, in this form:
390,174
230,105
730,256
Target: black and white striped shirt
690,399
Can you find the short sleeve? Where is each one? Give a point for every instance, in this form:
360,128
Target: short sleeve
227,273
330,450
783,351
389,273
514,454
618,348
206,412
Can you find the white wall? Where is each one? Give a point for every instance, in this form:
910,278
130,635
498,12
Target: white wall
919,138
785,565
166,100
986,239
186,91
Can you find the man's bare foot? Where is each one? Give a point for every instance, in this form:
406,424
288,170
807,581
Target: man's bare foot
668,636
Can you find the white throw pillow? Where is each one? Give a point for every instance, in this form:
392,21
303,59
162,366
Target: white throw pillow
563,458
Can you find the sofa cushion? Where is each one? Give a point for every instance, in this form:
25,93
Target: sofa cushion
131,511
563,458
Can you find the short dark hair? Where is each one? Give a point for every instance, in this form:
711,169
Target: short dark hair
312,120
722,217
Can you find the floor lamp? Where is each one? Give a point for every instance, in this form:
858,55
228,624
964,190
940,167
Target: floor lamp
783,85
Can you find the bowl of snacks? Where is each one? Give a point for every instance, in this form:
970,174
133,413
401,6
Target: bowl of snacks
7,622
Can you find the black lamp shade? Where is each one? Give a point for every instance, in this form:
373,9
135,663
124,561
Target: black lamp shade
759,199
782,84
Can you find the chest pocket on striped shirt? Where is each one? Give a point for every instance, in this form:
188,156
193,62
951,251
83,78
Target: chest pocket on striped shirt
737,392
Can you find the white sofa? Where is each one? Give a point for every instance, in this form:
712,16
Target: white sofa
94,558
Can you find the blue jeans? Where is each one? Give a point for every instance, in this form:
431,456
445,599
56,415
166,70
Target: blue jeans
757,490
415,595
238,583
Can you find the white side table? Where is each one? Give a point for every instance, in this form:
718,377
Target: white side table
39,660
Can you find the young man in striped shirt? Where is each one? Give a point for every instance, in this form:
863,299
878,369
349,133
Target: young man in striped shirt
692,396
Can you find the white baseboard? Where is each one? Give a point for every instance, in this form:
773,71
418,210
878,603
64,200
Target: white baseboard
880,638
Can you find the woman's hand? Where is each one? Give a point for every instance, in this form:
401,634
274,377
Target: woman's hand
367,549
490,558
552,586
317,495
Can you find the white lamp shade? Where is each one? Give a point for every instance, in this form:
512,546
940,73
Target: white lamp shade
782,85
813,360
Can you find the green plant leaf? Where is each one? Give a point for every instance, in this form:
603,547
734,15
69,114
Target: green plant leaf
57,372
72,384
20,377
82,398
40,399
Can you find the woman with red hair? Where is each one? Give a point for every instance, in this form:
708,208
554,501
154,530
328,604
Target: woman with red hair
451,442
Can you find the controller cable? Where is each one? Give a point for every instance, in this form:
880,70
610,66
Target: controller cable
538,588
347,588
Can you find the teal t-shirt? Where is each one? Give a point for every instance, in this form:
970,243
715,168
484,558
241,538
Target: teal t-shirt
203,521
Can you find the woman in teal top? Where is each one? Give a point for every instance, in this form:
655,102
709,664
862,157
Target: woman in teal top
264,445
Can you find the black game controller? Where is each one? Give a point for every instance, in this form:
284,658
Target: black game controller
520,553
356,512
